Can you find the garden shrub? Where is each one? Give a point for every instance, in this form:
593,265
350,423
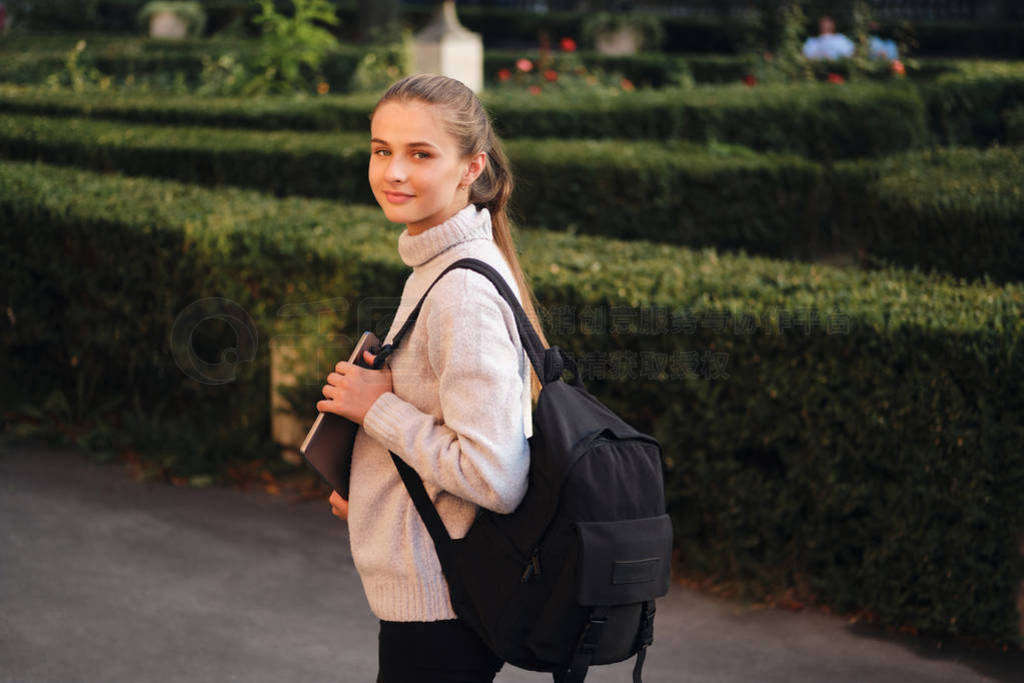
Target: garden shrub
264,113
725,196
644,70
190,66
965,108
816,121
310,164
960,211
856,433
673,192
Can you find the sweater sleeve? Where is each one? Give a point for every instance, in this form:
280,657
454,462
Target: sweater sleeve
478,450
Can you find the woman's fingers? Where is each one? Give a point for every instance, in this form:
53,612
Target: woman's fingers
339,506
351,390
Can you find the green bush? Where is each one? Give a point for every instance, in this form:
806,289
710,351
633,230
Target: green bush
816,121
725,197
310,164
858,433
644,70
140,64
672,192
960,211
965,108
905,208
263,113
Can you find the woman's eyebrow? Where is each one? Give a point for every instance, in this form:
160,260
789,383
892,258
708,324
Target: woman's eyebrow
419,143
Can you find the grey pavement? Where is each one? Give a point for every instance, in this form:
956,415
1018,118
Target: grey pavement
104,578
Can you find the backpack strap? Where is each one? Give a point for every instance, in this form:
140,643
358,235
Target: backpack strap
590,638
428,513
542,360
644,637
547,363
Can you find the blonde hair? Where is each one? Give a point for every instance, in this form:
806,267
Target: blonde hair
467,121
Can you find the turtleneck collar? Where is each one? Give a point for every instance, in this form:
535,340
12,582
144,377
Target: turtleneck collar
468,224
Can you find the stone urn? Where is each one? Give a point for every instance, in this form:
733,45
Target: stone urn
448,48
624,40
168,26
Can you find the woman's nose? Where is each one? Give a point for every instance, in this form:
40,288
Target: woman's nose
396,171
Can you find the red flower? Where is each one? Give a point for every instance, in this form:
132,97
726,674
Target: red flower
568,45
504,75
551,75
322,88
524,64
627,84
750,80
534,89
836,78
898,68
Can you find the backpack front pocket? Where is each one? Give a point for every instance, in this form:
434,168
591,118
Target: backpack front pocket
625,561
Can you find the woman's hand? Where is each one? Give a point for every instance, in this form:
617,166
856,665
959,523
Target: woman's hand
339,506
351,389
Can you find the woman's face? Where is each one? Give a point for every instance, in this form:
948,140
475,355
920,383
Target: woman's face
416,167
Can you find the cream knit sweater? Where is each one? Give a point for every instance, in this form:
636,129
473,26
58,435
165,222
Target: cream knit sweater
459,414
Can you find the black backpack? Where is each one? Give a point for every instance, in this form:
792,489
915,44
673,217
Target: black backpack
568,579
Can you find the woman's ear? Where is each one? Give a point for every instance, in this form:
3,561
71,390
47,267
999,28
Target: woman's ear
477,164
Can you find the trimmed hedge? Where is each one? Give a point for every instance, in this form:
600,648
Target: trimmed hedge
311,164
966,108
902,209
724,197
163,66
957,210
817,121
645,70
860,434
671,192
350,113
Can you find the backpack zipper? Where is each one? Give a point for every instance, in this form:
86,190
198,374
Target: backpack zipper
533,566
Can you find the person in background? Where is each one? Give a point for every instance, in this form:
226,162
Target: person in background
880,48
831,45
828,44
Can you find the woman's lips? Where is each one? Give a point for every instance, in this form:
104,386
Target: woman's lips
397,197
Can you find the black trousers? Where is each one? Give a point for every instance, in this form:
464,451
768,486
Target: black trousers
433,652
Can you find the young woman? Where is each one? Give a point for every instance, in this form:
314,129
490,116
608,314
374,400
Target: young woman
454,401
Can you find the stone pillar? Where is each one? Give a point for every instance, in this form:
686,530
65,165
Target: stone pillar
289,364
448,48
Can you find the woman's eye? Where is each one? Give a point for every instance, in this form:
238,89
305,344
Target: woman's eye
382,152
421,155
